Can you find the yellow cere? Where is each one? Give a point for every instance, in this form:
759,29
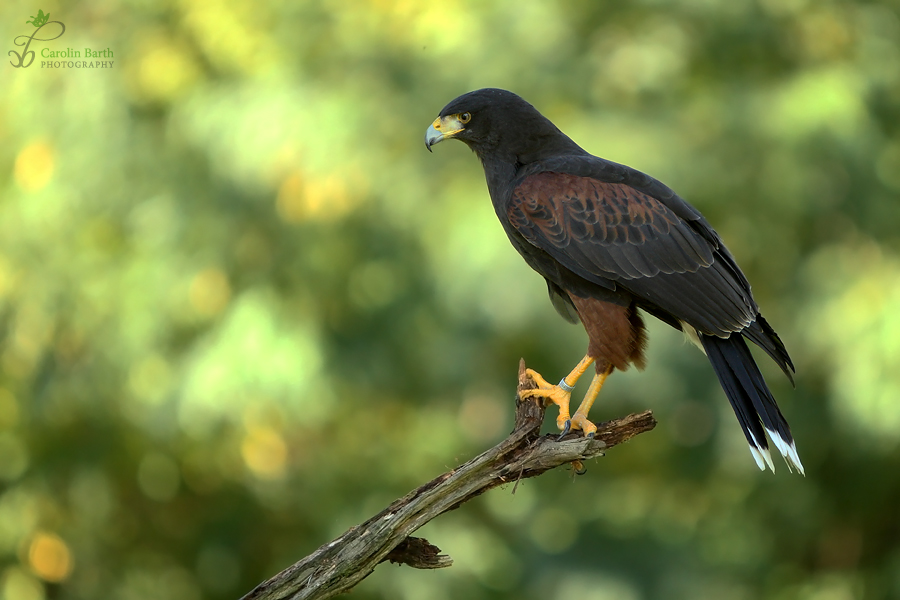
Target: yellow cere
448,125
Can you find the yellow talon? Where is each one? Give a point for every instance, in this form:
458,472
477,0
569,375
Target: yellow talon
561,394
551,394
580,421
556,394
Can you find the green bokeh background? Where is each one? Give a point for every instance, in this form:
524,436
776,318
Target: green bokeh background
242,309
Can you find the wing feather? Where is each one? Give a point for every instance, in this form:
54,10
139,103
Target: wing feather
611,232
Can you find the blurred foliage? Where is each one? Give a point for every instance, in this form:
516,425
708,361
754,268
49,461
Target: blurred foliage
242,309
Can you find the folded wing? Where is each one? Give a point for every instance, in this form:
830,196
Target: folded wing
611,232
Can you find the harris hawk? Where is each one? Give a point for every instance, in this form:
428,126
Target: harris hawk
611,242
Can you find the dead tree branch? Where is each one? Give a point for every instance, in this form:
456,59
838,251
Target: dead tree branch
340,564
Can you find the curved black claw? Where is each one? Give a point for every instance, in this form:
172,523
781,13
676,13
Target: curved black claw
591,434
566,430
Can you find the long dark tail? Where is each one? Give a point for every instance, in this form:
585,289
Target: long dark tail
751,399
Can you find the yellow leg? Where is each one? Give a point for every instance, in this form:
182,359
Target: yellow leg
579,419
556,393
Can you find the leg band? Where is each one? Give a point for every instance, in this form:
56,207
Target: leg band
565,386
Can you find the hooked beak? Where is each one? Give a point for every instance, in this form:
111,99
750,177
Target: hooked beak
441,129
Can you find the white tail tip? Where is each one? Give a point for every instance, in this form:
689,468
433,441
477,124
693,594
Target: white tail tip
788,451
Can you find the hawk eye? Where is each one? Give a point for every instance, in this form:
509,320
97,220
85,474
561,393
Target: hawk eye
465,117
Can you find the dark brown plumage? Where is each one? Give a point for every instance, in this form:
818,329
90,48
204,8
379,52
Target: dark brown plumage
610,240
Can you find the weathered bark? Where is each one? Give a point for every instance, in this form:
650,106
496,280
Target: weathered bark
340,564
